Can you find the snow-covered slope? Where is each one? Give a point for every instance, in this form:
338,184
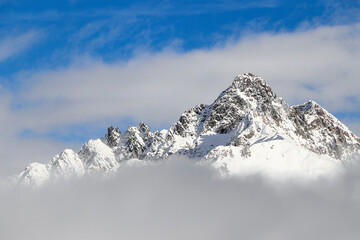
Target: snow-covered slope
246,130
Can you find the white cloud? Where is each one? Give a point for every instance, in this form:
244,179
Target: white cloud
13,45
157,88
17,152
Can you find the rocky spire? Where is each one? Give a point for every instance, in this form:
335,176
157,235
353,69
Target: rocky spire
144,130
133,142
233,104
113,136
253,86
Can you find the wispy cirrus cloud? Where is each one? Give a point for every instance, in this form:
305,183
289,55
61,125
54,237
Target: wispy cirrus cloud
14,44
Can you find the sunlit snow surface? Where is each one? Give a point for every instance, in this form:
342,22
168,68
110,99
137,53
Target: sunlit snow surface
280,160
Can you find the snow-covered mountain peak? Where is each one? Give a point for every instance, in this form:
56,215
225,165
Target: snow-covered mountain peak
246,127
253,86
248,78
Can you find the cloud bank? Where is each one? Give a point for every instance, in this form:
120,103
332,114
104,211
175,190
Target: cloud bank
178,200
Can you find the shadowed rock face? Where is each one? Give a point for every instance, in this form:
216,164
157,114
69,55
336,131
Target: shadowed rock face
113,136
246,115
226,112
315,124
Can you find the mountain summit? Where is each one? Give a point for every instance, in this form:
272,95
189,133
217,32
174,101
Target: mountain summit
246,130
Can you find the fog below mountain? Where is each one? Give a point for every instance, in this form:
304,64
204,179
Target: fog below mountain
180,200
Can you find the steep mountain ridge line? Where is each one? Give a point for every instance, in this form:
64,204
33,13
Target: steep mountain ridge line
245,116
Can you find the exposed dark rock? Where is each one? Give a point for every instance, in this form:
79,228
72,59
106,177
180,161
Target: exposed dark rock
113,136
134,144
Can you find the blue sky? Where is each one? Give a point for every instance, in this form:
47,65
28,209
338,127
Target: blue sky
68,69
112,31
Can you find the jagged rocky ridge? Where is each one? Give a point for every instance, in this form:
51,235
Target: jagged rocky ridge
247,128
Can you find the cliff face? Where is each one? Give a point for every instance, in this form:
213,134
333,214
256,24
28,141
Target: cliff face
246,124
